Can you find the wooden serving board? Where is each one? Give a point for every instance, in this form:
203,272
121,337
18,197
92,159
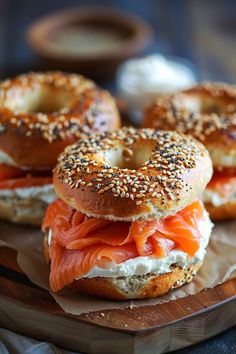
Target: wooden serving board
30,310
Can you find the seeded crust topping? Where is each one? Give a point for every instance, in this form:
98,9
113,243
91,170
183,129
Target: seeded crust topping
87,163
216,110
85,102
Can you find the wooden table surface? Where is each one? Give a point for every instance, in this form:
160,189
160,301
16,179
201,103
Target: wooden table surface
202,31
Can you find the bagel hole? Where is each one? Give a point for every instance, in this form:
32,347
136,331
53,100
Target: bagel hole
132,158
51,100
41,100
202,105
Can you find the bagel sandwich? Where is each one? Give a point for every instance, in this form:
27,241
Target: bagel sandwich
128,222
40,114
208,112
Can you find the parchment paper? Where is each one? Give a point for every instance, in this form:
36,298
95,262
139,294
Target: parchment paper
219,266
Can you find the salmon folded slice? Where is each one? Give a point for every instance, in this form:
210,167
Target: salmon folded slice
13,177
223,182
81,243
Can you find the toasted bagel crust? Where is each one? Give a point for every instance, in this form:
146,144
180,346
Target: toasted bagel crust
176,170
206,111
42,113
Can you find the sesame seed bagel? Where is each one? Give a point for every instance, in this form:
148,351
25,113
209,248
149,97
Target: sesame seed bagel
41,113
130,174
206,111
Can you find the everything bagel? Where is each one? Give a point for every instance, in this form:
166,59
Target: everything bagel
207,112
41,113
151,173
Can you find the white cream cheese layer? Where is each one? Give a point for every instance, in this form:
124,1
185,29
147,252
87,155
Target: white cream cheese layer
44,193
216,199
6,159
145,265
222,158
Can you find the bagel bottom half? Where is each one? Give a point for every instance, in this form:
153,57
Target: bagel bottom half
132,287
137,286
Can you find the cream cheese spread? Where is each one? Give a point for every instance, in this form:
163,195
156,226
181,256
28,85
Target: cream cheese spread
141,79
145,265
44,193
6,159
216,199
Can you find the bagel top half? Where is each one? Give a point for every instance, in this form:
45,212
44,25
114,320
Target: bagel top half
206,111
130,174
42,113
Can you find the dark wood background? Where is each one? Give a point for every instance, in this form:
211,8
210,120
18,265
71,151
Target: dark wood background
203,31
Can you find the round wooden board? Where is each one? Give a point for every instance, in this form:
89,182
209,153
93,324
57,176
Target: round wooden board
30,310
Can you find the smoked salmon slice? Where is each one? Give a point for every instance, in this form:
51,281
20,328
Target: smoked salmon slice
24,182
7,172
81,243
224,183
66,265
13,177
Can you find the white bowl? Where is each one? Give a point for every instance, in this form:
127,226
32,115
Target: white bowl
139,80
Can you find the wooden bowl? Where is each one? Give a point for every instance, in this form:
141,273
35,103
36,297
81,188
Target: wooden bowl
92,41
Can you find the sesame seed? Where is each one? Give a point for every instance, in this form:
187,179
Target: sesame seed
201,124
140,195
80,165
60,124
